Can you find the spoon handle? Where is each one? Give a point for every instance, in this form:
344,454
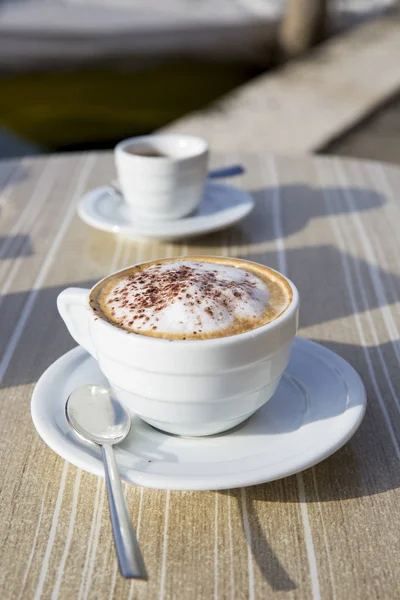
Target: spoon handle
129,556
230,171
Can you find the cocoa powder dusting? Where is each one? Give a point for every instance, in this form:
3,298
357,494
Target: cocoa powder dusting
160,292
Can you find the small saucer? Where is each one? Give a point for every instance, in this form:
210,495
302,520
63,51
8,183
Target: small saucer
222,205
318,406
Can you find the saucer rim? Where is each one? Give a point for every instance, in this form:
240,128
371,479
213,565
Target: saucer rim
59,444
190,226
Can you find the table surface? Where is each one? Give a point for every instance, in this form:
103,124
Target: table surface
331,532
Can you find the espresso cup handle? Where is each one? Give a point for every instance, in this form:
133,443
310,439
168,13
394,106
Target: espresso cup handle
73,307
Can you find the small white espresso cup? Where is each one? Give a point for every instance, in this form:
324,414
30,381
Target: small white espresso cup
162,176
186,387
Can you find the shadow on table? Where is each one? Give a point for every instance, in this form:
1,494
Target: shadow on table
14,170
366,465
298,205
44,336
10,177
15,246
18,245
270,566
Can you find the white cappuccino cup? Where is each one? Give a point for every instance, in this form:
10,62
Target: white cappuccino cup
185,386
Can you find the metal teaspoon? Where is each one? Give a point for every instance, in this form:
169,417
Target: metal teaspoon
98,417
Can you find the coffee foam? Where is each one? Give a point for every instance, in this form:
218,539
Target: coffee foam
190,299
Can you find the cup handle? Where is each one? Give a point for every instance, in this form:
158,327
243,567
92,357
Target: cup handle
73,306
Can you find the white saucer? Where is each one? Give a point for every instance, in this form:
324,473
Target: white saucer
318,406
222,205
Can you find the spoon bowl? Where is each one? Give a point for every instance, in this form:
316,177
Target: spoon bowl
95,415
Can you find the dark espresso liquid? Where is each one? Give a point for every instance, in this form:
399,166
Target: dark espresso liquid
145,151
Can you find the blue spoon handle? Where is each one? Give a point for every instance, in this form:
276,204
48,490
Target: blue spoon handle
230,171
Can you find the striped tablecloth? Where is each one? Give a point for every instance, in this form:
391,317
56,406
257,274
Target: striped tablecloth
330,532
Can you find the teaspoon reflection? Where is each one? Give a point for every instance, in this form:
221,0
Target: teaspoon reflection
98,417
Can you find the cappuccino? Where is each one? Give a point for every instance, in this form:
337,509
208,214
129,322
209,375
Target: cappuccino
192,298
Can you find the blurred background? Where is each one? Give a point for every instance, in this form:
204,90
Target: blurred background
82,74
